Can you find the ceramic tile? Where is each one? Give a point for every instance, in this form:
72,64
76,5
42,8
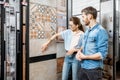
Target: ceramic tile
44,70
60,50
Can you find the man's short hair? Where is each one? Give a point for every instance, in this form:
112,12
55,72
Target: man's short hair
90,10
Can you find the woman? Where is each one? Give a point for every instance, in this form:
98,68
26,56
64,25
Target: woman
71,37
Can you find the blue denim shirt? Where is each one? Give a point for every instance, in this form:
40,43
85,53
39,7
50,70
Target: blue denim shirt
95,41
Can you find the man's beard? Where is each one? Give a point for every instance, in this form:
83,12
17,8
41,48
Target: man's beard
87,24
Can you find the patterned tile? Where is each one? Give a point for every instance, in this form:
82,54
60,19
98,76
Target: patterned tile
43,21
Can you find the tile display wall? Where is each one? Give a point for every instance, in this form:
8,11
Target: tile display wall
46,18
43,23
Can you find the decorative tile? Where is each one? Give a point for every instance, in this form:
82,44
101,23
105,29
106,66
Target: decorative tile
43,19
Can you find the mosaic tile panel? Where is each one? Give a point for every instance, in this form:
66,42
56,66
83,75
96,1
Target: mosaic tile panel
43,21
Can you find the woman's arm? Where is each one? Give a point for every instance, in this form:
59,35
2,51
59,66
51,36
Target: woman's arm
71,51
45,46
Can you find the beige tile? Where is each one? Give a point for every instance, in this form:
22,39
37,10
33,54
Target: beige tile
60,50
35,47
45,70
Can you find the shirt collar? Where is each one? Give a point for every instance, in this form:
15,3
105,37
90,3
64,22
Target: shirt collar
94,27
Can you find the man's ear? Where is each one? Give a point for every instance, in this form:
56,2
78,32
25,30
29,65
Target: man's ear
90,16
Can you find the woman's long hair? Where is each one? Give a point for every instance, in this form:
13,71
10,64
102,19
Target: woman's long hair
76,21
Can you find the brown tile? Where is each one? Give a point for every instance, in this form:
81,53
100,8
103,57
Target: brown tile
60,64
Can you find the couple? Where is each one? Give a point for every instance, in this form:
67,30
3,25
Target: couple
84,51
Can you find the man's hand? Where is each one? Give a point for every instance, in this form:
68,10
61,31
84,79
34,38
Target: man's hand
70,52
80,56
44,47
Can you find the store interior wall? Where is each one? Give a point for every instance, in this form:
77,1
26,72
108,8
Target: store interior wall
48,17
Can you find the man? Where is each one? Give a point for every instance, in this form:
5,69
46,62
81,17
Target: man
94,48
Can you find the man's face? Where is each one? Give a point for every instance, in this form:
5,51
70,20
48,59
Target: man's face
72,26
85,19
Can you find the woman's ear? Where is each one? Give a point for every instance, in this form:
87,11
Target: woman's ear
77,26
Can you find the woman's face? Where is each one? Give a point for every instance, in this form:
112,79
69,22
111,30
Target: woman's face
72,26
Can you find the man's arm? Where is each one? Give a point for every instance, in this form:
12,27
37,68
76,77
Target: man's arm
102,43
102,46
95,56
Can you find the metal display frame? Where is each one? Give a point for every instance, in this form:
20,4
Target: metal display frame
2,42
18,39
